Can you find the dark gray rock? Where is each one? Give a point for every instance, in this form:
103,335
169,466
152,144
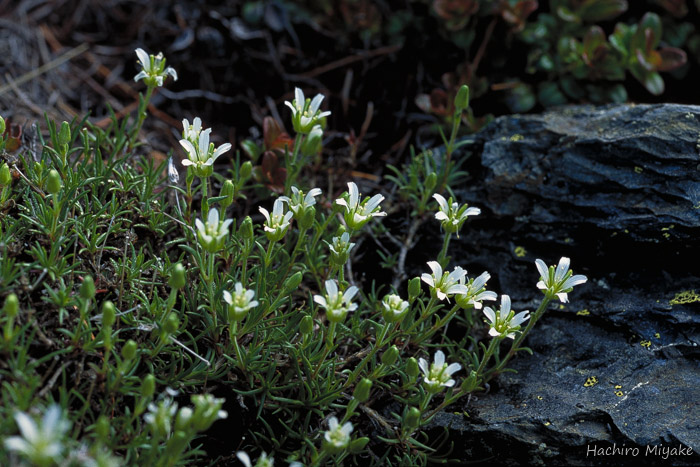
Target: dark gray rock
617,189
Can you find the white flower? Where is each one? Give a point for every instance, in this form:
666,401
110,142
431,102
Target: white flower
41,444
443,284
277,222
263,460
476,292
240,302
394,308
153,70
505,322
358,212
212,235
299,203
560,281
337,305
191,132
305,114
337,438
452,215
439,374
340,249
201,153
207,410
160,417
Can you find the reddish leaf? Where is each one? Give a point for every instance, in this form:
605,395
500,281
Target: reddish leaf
671,58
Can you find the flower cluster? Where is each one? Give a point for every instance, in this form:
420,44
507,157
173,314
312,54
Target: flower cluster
358,212
452,215
439,374
337,305
239,302
558,282
302,205
201,153
277,222
504,322
212,235
153,69
306,113
444,284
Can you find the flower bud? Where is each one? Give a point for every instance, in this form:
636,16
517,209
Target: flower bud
462,98
108,314
307,219
245,231
390,356
227,190
102,427
362,389
431,181
245,171
413,289
471,383
2,126
178,277
293,282
11,307
357,445
306,326
412,368
172,323
87,288
148,385
313,142
182,421
129,350
53,182
412,418
5,176
64,135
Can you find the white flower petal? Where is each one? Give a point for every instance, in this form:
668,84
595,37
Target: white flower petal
543,270
27,427
436,268
562,268
144,59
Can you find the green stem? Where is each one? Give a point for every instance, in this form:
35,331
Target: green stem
205,200
143,106
442,257
425,315
290,163
233,330
326,350
378,344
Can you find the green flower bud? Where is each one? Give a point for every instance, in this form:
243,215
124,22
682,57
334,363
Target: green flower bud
87,288
178,277
390,356
108,314
228,190
53,182
129,350
362,390
462,98
412,418
307,219
412,368
306,326
293,282
245,171
414,289
5,175
431,181
313,143
11,307
182,421
2,126
245,231
102,427
64,135
148,385
172,323
471,383
357,445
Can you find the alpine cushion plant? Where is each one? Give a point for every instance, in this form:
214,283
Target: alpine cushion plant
201,302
